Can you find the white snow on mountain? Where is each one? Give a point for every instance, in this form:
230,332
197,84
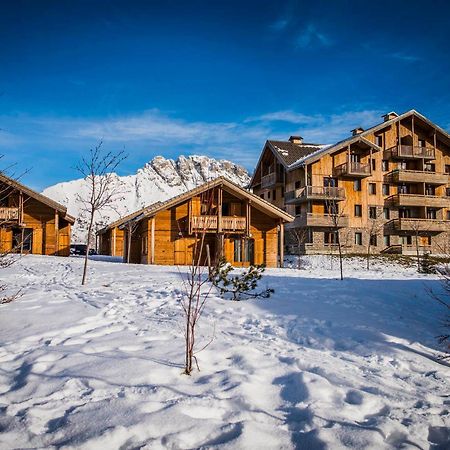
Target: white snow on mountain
158,180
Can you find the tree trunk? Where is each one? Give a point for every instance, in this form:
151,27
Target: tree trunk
417,252
88,247
368,255
128,246
340,254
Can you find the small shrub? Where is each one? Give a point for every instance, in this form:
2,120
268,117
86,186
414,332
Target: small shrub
241,284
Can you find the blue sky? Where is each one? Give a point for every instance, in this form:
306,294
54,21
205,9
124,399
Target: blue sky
215,78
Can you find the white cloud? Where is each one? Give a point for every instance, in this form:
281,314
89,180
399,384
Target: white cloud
153,132
311,37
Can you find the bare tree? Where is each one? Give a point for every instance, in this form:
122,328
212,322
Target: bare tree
419,229
197,288
299,236
98,170
336,216
374,226
9,256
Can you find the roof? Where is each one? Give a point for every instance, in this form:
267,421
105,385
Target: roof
153,209
289,152
39,197
361,137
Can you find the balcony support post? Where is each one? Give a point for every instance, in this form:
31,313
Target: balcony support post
20,207
281,234
152,242
56,233
219,209
247,217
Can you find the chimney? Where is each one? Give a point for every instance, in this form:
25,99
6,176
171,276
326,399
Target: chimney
296,140
357,131
389,116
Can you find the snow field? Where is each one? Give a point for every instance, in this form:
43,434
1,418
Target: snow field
321,364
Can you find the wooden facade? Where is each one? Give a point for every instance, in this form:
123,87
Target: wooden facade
31,222
235,224
393,177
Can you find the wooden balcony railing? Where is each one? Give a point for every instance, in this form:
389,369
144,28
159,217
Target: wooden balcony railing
416,176
315,193
269,180
321,220
211,223
352,169
409,151
419,224
9,214
433,201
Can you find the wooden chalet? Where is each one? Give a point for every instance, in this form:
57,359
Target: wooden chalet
238,225
31,222
388,185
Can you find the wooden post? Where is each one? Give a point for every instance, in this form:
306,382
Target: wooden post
219,209
113,243
20,207
56,233
152,243
412,131
281,244
247,218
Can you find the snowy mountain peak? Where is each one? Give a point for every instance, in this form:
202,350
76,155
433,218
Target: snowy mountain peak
159,180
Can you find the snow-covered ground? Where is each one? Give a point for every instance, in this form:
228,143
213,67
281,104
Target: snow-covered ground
323,363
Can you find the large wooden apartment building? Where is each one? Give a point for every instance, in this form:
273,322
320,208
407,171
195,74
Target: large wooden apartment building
31,222
238,225
389,184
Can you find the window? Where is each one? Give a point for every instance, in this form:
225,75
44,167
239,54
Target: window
22,239
401,165
274,194
373,240
372,188
447,192
268,196
386,240
407,240
447,168
357,185
358,210
430,190
330,182
448,215
329,237
372,212
249,250
385,165
298,210
422,143
429,167
385,189
358,238
282,191
403,189
237,250
431,213
331,208
386,213
404,213
374,164
144,245
297,185
379,141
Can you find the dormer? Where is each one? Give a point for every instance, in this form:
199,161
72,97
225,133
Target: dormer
357,131
296,140
389,116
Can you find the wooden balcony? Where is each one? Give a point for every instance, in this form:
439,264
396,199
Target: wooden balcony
352,169
270,180
432,201
421,225
308,193
8,214
409,152
320,220
210,224
417,176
